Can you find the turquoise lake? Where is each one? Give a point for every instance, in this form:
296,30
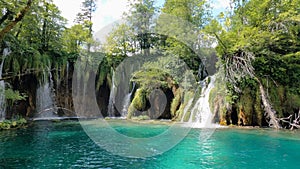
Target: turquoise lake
66,145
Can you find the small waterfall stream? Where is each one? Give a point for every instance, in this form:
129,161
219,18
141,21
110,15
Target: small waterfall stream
111,109
6,52
201,115
67,85
45,104
126,102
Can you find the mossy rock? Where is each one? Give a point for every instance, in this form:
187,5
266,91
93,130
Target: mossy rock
142,117
187,97
138,103
176,102
139,100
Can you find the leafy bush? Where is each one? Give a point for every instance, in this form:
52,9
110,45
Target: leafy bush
13,124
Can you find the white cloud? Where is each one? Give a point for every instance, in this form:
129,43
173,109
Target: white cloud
221,4
107,11
69,9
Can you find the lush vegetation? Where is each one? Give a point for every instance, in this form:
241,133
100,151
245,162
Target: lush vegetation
258,47
13,124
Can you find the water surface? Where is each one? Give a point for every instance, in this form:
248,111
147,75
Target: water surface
66,145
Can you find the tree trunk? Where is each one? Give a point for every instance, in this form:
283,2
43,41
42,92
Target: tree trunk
18,18
269,112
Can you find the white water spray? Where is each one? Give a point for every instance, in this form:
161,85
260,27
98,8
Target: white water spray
45,104
126,102
111,109
201,115
6,52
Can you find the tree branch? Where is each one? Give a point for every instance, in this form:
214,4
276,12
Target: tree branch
18,18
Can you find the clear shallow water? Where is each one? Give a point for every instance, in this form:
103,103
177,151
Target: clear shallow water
65,145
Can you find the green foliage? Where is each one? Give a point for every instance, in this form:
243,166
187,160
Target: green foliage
119,44
13,96
13,124
84,18
187,18
151,78
74,37
271,34
140,18
196,12
36,41
164,72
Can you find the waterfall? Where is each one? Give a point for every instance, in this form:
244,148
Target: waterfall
67,86
126,102
201,115
45,105
111,103
6,52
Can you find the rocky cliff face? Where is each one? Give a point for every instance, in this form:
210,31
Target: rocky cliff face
63,98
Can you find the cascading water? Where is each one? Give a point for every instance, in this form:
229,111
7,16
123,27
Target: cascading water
67,85
126,102
111,109
45,105
6,52
201,115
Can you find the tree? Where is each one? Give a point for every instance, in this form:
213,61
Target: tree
35,40
259,42
119,44
140,18
85,18
52,26
74,37
187,18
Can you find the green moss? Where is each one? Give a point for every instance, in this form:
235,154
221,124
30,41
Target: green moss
176,103
139,100
292,102
258,109
186,118
131,111
141,117
187,97
276,96
107,118
245,106
138,103
102,74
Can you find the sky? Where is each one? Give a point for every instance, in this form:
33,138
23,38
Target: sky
109,11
